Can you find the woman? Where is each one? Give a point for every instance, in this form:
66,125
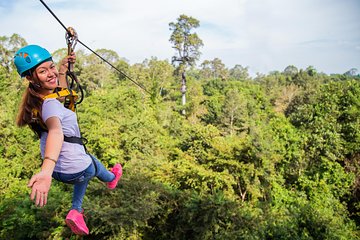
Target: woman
65,161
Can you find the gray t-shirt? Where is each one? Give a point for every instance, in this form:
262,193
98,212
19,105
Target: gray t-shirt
72,158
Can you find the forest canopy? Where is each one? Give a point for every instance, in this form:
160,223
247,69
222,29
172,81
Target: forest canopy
276,156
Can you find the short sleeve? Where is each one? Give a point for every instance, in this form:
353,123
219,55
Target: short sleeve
52,108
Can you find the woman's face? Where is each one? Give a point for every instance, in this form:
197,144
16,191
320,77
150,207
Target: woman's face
47,75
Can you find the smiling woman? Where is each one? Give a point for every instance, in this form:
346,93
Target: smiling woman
62,148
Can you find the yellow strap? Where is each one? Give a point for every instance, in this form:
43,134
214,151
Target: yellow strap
63,93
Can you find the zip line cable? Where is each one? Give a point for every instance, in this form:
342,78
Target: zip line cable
117,69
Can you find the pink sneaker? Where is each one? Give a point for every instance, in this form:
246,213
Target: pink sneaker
117,170
75,221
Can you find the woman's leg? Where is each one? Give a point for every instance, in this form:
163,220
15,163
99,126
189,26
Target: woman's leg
75,218
80,181
101,172
80,187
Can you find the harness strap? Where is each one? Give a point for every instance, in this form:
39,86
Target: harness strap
58,93
63,93
70,97
78,140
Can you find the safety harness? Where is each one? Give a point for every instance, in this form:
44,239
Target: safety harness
71,95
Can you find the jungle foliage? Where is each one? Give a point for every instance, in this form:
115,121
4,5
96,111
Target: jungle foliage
276,156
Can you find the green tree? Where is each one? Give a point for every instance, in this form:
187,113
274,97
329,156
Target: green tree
330,120
187,47
291,70
233,111
239,72
156,75
352,72
214,69
8,47
93,73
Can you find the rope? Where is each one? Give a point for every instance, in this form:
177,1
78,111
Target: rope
78,40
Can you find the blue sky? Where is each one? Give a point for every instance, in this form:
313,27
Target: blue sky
264,35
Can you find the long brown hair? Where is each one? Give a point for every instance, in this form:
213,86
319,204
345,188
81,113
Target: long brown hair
30,110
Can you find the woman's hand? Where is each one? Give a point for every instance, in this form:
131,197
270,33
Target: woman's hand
64,66
40,184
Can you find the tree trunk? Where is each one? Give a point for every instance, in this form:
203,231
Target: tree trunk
183,91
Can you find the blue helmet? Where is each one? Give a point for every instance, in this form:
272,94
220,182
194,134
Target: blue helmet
29,57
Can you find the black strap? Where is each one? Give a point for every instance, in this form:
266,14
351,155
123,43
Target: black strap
78,140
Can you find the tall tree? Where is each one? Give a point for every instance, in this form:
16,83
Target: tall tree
291,70
8,47
239,72
186,44
352,72
214,69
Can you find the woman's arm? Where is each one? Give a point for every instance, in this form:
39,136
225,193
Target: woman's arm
41,182
64,68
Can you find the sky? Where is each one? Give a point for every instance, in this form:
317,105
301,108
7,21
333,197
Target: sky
263,35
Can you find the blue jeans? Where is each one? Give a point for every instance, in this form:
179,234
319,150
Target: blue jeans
81,180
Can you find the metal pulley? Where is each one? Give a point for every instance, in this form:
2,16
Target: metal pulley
71,39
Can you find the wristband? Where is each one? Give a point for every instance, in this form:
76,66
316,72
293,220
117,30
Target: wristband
51,159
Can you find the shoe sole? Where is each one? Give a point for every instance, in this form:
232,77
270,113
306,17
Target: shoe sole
74,228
